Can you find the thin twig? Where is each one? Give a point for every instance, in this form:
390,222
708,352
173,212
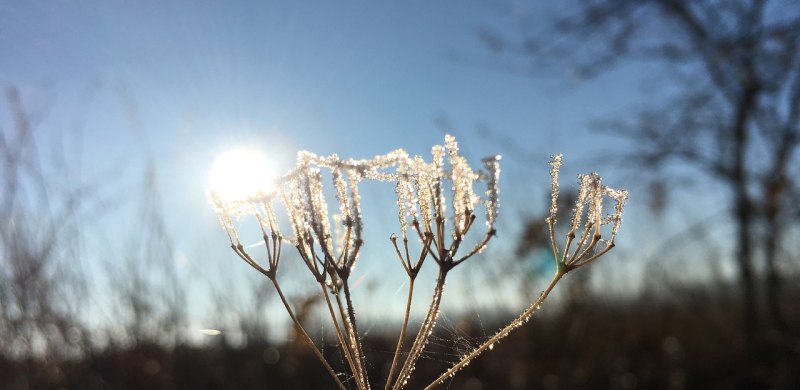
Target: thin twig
424,331
352,313
348,326
551,226
488,344
339,334
402,337
582,241
306,336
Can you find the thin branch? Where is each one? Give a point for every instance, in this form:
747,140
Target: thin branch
351,312
339,335
306,336
402,336
351,339
424,331
489,344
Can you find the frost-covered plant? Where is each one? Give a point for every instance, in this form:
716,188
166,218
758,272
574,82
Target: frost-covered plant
329,252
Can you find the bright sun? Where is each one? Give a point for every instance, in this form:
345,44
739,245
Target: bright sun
240,173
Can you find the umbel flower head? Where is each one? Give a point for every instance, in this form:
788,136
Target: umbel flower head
588,219
330,252
421,188
436,204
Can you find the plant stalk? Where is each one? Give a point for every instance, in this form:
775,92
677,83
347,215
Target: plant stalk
307,337
357,343
516,323
399,348
339,335
424,331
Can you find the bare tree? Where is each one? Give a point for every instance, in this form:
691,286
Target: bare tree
735,117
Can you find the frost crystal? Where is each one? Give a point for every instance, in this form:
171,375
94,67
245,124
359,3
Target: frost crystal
587,183
587,235
620,197
421,189
493,190
555,167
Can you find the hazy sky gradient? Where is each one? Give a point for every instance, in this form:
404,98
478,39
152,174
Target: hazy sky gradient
178,83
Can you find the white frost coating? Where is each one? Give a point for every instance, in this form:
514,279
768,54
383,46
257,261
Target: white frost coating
272,218
436,179
341,193
589,236
590,198
597,202
424,190
224,217
406,204
555,168
421,197
585,183
492,189
318,210
620,197
401,207
461,177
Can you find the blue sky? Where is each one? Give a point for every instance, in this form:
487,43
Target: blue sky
178,83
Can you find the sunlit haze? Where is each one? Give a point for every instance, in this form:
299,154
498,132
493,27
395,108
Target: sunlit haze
240,173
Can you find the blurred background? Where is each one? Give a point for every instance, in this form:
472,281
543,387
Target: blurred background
115,273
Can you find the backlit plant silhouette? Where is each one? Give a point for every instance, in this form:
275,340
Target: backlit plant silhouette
330,252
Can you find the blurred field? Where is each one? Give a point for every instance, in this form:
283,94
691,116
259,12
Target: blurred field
692,342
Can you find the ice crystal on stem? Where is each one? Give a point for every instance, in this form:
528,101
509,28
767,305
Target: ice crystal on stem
555,168
589,230
329,253
590,246
493,189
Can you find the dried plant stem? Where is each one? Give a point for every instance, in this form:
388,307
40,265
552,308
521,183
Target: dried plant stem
306,336
516,323
552,229
420,188
424,331
596,256
358,370
339,335
564,256
402,337
581,243
479,247
354,329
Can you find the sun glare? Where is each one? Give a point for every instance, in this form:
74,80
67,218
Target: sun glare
238,174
